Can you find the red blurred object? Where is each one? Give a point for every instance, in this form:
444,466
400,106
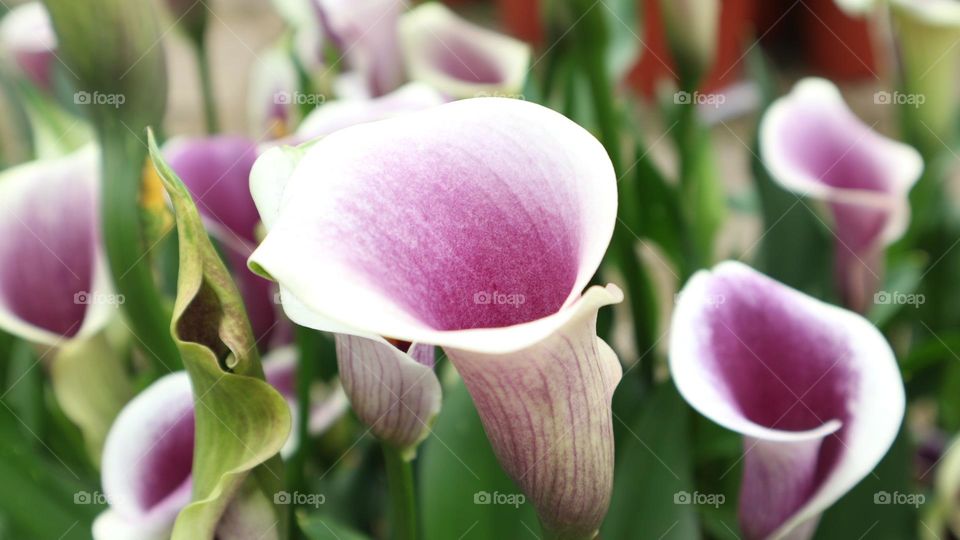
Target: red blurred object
522,19
836,46
831,43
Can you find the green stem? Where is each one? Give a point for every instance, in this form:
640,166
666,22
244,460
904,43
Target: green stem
403,508
206,87
123,157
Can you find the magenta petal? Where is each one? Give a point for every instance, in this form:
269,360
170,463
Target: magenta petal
53,279
814,145
814,389
148,458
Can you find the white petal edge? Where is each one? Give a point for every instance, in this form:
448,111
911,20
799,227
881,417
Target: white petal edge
881,395
905,164
418,27
28,28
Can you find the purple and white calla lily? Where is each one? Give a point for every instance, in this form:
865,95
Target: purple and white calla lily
814,389
473,226
26,34
148,457
54,281
460,58
216,170
813,145
365,32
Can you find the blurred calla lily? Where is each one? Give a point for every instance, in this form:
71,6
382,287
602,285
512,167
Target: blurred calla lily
365,32
692,32
814,389
813,145
271,108
26,34
148,457
948,487
216,170
473,226
345,113
458,57
54,283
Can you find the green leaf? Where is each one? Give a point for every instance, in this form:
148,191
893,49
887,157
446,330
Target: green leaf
623,24
461,480
241,421
80,365
653,482
41,497
323,527
902,277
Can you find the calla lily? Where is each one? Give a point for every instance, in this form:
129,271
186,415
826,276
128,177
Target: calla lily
458,57
473,226
216,170
365,32
948,487
813,145
148,457
814,389
27,35
271,108
54,283
345,113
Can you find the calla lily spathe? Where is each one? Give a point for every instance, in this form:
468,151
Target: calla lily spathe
814,389
460,58
54,283
813,145
26,34
148,457
474,226
365,32
216,170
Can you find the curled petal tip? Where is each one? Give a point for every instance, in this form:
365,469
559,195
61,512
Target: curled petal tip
27,36
814,389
